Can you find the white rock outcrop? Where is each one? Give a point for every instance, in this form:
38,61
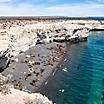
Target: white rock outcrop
19,97
21,38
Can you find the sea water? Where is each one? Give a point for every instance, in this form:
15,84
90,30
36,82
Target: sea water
80,79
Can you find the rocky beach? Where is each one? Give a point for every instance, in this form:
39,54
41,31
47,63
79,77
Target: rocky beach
30,50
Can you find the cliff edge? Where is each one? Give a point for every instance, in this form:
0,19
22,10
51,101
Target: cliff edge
9,95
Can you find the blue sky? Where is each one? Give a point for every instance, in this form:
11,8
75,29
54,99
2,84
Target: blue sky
52,8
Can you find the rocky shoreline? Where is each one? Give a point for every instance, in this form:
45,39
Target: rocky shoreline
30,50
10,95
19,35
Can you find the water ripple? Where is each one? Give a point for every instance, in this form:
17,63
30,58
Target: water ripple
83,83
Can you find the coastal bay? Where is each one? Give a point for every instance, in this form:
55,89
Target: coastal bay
34,49
82,81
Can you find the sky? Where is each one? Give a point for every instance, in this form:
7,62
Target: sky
71,8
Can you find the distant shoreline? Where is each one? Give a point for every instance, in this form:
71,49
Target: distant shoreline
48,18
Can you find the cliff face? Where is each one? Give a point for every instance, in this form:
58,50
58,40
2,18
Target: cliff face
20,38
9,95
15,40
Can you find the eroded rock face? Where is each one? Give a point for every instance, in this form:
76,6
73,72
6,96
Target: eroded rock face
61,34
4,60
17,39
13,41
20,38
9,95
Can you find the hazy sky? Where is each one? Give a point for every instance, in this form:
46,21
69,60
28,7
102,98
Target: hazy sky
52,7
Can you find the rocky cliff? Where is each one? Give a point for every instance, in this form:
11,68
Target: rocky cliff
9,95
18,39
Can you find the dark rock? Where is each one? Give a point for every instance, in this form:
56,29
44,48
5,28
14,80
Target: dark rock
4,61
65,29
58,30
37,63
75,30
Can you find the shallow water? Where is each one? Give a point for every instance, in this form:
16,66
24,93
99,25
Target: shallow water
82,79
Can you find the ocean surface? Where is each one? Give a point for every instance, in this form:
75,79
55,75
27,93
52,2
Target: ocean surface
80,79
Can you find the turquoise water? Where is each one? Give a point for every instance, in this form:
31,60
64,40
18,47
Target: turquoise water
82,80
